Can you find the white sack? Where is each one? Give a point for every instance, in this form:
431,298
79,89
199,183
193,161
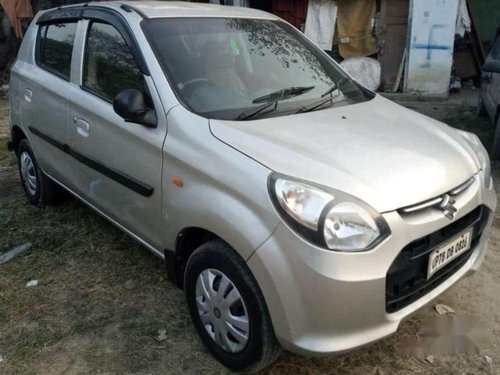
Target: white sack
365,70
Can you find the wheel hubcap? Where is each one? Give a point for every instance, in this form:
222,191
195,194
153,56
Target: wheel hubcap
28,173
222,310
217,313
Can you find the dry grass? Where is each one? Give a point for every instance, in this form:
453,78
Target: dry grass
102,299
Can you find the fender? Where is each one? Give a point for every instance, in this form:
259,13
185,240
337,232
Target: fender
219,187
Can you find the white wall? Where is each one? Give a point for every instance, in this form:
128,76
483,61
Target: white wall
432,25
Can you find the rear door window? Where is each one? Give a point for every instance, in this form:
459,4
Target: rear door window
109,64
55,48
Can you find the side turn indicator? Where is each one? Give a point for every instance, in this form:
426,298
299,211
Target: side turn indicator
177,181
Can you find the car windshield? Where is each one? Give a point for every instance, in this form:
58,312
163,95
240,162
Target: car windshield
227,68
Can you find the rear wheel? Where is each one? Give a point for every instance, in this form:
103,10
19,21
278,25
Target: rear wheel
228,309
39,189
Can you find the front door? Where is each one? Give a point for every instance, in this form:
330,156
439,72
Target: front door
120,162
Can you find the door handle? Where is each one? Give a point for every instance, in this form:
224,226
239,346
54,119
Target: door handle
28,95
82,126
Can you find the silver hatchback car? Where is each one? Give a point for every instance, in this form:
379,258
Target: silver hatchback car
295,207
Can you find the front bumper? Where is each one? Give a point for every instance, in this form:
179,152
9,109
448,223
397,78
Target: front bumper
324,302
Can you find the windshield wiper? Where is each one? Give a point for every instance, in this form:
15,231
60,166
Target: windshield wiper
272,99
289,92
315,105
322,102
330,91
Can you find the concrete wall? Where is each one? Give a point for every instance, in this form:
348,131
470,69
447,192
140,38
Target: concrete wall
432,25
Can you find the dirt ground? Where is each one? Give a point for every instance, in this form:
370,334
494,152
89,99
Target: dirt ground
102,298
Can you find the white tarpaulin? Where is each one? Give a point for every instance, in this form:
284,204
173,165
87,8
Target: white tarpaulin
364,70
463,19
320,22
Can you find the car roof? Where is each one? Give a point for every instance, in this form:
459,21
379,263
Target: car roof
162,9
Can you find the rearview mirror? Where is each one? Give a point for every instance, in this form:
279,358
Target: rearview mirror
492,66
130,105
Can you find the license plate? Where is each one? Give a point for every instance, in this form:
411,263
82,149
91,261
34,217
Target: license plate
449,251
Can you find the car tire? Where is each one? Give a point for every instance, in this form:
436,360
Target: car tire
39,189
212,266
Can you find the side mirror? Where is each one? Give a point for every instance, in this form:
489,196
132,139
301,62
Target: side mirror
492,66
130,105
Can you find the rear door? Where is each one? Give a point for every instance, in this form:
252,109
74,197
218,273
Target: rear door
120,162
44,87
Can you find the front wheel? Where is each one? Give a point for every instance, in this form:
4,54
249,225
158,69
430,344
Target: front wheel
228,309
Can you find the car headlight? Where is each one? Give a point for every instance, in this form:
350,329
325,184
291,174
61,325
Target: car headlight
327,217
484,159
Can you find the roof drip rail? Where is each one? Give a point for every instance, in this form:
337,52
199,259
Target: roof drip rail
129,9
126,8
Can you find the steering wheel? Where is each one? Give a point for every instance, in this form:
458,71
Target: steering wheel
189,86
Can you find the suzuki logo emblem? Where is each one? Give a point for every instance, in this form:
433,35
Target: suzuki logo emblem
447,206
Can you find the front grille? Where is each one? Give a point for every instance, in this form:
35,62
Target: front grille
406,279
438,201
